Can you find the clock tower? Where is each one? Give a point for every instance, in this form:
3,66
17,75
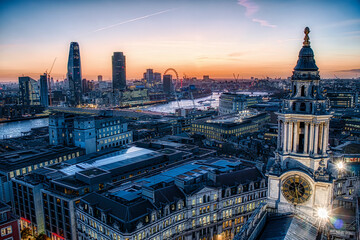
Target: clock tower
299,178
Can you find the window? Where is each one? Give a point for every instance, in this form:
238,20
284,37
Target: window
6,231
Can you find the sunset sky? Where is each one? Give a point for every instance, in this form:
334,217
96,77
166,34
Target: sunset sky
197,37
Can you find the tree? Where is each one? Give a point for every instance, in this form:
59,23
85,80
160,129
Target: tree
42,236
26,233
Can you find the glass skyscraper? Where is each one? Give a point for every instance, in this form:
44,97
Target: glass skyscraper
74,75
118,71
28,91
44,92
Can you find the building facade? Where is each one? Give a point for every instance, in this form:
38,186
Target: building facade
226,128
28,91
167,84
74,75
22,162
233,103
98,133
44,92
300,176
46,198
118,71
9,224
210,200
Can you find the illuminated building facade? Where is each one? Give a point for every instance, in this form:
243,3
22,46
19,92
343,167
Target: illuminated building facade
28,91
200,200
222,129
46,198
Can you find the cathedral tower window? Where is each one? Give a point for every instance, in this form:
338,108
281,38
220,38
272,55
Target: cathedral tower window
303,91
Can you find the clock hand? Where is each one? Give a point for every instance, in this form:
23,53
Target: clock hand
296,192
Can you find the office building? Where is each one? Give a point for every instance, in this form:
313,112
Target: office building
118,71
28,91
230,127
233,103
207,199
100,78
157,77
92,133
149,76
21,162
74,75
44,92
9,223
46,198
96,133
342,99
167,84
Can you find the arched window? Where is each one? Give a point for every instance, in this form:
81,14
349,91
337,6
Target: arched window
294,106
294,89
303,91
302,106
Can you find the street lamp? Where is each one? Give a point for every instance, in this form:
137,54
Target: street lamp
323,214
340,165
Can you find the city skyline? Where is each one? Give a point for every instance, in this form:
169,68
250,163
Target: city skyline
216,38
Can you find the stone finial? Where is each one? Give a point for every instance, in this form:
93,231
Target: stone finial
306,38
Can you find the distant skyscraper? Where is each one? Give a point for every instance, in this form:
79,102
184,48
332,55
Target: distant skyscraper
100,78
118,71
28,91
157,77
74,75
149,75
167,83
44,92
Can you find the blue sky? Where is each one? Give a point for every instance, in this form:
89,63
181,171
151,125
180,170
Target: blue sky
217,38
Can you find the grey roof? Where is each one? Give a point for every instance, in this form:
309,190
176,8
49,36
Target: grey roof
124,213
239,177
168,195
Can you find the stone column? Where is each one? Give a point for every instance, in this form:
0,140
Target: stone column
285,137
306,137
291,136
321,135
316,138
325,134
279,136
311,139
295,136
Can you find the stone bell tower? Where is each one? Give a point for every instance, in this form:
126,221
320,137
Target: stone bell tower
300,173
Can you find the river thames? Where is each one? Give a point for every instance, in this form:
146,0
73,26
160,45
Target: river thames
14,129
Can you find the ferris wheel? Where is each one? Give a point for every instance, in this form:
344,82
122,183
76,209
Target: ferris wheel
176,83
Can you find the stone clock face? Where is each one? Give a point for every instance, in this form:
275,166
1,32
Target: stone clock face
296,189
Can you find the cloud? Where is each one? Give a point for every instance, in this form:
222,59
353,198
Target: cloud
356,70
133,20
250,9
263,23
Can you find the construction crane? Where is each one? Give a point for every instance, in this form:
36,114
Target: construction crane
236,77
49,80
